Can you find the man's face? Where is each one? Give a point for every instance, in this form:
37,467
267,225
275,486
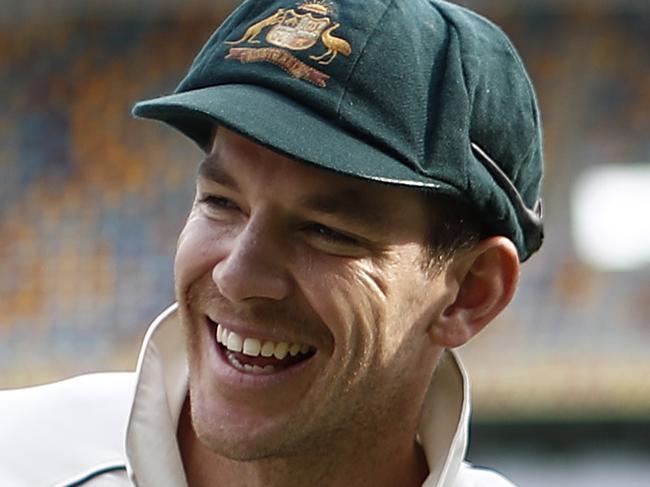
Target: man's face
282,256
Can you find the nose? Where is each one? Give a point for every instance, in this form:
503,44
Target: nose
254,267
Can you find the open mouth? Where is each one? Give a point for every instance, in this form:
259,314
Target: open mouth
255,356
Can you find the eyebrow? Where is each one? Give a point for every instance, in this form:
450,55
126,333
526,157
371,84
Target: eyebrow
348,205
210,169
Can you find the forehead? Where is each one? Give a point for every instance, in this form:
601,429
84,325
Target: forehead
244,165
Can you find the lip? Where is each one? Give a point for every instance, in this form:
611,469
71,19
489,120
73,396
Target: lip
236,379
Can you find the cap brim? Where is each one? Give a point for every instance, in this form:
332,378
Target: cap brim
284,126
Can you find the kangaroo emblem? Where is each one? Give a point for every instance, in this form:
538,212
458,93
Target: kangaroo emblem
334,46
256,29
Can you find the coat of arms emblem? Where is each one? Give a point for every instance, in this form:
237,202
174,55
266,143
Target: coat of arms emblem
295,30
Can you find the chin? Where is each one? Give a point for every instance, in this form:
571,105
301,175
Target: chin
241,442
241,438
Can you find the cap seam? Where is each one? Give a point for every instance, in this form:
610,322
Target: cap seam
361,53
470,96
526,157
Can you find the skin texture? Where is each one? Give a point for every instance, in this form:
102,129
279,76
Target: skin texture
280,250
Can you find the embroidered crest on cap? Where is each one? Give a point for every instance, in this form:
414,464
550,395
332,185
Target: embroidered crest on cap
296,30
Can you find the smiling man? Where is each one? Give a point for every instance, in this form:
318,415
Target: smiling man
370,186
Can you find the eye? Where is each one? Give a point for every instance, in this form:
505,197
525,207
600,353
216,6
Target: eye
217,202
332,236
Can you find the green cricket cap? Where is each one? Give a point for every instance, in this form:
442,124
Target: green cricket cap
419,93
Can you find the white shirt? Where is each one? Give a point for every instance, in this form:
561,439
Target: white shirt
119,429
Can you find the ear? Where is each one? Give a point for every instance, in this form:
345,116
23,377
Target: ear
486,278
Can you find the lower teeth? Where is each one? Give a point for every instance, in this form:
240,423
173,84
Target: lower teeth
253,369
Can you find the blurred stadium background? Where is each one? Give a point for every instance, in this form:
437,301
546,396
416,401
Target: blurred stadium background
91,202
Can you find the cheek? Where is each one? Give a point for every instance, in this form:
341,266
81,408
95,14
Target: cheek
373,309
351,300
198,250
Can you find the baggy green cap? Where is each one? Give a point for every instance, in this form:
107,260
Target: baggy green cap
419,93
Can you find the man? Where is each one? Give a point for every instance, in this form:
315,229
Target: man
371,183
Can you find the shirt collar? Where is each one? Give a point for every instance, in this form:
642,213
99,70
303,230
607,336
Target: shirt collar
153,457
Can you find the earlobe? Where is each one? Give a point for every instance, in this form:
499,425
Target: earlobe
486,278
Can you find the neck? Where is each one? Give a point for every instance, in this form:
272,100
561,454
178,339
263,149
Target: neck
377,463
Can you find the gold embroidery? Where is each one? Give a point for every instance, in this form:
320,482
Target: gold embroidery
282,58
334,46
296,31
321,7
254,30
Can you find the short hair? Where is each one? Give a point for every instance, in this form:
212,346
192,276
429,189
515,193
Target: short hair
455,227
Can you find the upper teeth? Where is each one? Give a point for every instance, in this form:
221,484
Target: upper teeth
255,347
